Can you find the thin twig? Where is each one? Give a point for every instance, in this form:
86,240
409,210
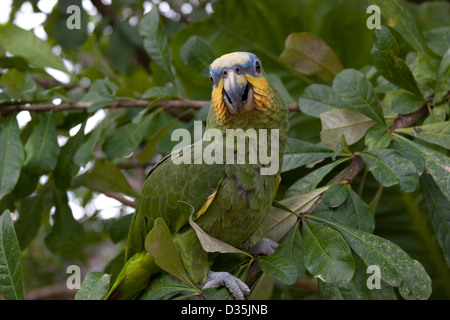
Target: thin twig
121,198
138,103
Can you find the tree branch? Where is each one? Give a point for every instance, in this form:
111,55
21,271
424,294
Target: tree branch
138,103
121,198
410,119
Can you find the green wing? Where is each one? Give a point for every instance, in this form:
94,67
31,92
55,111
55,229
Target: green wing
166,186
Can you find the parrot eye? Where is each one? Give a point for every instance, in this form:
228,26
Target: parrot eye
211,79
257,67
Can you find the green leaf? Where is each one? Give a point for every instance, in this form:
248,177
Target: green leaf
438,39
197,54
279,221
337,122
279,268
356,91
120,49
437,114
11,286
299,153
66,168
69,39
263,289
308,54
162,286
389,167
66,238
151,145
11,155
28,87
439,210
291,248
400,19
84,153
214,294
5,98
353,212
385,55
435,162
118,228
159,92
341,147
436,133
13,62
26,44
335,195
318,98
211,244
127,138
13,80
94,286
106,177
425,71
155,41
311,180
397,268
26,185
357,288
377,138
31,210
325,254
442,85
159,243
42,149
276,81
404,102
101,93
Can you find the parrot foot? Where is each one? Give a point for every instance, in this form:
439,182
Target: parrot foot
219,279
264,246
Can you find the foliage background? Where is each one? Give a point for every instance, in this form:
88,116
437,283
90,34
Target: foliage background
124,77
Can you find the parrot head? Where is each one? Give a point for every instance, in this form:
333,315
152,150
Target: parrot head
239,84
233,76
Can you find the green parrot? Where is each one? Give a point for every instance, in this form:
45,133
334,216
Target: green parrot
230,198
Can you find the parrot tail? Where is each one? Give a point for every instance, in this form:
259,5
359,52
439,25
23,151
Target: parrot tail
133,278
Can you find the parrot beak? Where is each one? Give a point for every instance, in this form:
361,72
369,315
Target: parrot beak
237,92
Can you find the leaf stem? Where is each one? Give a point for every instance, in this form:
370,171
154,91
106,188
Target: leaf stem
361,186
376,199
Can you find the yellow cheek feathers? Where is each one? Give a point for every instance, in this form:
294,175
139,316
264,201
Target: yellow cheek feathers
262,98
261,93
221,111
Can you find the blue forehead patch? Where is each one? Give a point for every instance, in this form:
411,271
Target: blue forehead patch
243,59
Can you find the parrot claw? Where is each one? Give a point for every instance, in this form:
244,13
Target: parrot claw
264,246
219,279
